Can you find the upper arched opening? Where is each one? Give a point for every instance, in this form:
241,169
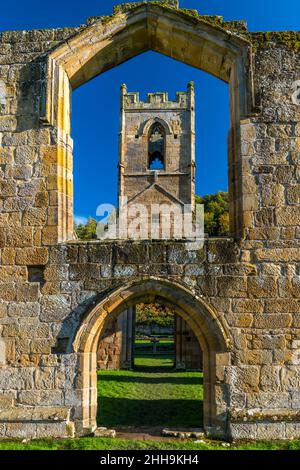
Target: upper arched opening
194,41
111,41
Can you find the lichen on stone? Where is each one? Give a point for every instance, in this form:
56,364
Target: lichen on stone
289,39
171,5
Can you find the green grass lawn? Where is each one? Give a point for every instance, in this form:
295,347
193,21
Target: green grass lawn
94,443
151,395
147,341
145,348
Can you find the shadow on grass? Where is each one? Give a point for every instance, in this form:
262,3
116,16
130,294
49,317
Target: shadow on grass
141,413
151,380
154,368
156,363
154,394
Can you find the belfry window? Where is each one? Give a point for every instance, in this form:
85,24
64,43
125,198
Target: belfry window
156,147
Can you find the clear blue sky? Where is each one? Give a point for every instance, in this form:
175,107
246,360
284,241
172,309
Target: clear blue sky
95,116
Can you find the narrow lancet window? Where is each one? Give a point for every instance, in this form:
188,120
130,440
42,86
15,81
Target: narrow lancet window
156,147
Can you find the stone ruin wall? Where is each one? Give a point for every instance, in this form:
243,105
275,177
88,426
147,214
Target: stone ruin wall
116,343
188,354
109,353
251,282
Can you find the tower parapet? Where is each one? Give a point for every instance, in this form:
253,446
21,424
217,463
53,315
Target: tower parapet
157,100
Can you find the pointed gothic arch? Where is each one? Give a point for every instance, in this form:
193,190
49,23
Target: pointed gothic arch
209,328
148,124
106,44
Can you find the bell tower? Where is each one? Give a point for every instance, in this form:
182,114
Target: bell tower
156,167
157,148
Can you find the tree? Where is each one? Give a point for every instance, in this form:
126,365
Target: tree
216,213
87,231
154,315
216,217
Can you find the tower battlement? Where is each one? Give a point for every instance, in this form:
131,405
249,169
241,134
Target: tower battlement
157,100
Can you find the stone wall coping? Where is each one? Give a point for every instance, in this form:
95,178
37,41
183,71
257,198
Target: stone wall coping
143,242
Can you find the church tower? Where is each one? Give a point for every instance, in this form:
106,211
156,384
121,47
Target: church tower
157,148
156,167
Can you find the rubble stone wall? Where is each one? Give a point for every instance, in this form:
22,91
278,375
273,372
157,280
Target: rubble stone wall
244,289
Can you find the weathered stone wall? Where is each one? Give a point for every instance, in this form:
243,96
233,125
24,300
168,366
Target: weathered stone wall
250,283
188,355
116,343
261,312
109,353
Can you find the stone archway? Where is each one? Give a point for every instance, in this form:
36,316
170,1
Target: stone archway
144,131
210,331
110,41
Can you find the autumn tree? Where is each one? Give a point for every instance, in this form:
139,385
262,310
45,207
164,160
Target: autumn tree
216,213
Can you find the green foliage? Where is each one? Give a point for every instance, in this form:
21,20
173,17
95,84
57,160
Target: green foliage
154,315
216,213
216,217
87,231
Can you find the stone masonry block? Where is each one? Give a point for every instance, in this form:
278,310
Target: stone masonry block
32,256
262,286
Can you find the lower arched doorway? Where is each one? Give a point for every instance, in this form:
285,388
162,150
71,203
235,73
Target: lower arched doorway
150,373
207,327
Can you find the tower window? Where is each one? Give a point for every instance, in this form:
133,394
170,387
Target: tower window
156,147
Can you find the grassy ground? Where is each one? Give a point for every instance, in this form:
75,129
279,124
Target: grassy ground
147,341
145,348
152,395
93,443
